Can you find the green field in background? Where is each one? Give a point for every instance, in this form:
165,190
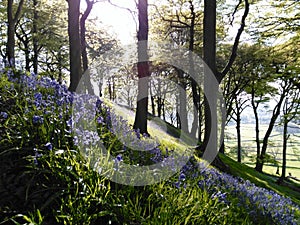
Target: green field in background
274,148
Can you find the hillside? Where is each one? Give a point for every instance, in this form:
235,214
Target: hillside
161,131
52,172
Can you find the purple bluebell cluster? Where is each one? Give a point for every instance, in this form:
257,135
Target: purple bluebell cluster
37,119
4,115
59,101
259,202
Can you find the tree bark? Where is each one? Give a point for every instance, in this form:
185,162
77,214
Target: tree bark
11,28
209,56
196,99
140,121
182,107
34,38
87,79
284,148
276,113
74,43
238,131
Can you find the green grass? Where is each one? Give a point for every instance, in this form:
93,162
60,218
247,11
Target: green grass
168,137
261,179
39,185
274,148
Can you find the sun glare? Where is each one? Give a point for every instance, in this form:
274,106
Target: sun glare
118,20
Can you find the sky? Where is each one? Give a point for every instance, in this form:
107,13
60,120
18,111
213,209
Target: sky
119,20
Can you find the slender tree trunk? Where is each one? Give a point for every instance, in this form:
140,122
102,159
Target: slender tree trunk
140,121
164,110
152,100
177,111
74,43
284,148
34,38
192,71
24,40
159,100
11,23
182,107
200,118
238,131
257,139
276,113
10,46
86,72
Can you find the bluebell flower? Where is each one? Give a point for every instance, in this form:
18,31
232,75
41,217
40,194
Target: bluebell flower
37,119
4,115
98,103
177,184
49,146
119,158
100,120
182,176
38,96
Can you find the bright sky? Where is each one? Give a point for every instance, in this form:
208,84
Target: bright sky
119,20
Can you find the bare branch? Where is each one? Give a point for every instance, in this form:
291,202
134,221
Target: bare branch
132,13
88,9
234,12
236,41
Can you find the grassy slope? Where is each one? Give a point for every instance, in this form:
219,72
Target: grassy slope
274,148
168,138
262,180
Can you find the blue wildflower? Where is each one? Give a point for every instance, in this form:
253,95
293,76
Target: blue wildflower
182,176
37,119
100,120
98,103
119,158
38,96
4,115
49,146
177,184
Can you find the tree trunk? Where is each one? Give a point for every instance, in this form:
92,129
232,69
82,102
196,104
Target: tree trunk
87,78
209,56
74,43
192,72
34,38
10,46
284,148
200,118
257,139
238,131
152,100
11,23
182,111
276,113
140,121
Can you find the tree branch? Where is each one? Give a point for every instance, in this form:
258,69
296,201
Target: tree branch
236,41
132,13
18,12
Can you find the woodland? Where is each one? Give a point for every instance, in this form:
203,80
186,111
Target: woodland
196,121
